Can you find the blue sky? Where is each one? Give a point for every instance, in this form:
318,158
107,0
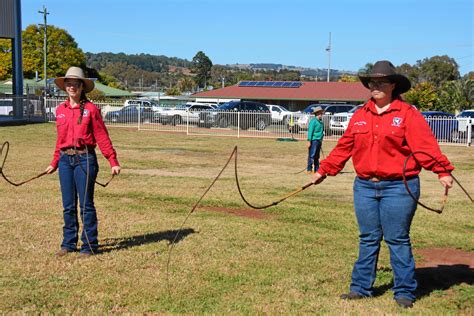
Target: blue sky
292,32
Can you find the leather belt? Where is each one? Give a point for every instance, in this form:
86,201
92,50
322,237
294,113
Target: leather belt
76,151
378,179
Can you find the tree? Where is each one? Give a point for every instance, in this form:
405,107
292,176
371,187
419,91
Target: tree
63,51
202,66
348,78
423,96
411,72
96,95
456,95
186,84
437,70
5,59
367,68
173,91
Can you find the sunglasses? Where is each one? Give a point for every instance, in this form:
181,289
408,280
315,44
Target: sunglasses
378,83
75,84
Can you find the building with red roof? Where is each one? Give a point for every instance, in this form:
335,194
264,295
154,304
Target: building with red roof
294,95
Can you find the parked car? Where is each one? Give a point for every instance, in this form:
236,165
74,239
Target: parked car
142,103
340,121
302,119
131,113
184,113
443,125
246,114
280,114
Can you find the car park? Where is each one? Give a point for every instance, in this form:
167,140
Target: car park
301,120
185,113
280,114
443,125
244,114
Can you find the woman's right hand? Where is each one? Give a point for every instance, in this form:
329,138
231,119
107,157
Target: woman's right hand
317,178
308,144
50,169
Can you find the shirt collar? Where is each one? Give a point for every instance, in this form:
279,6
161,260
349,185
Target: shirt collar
395,105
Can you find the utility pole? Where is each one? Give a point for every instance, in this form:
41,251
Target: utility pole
223,81
45,47
329,54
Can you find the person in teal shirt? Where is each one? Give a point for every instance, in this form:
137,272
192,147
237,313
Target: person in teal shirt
315,139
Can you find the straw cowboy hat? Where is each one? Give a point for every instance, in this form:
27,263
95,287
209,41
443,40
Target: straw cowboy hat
317,109
75,73
385,69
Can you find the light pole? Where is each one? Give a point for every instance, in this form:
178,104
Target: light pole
329,58
45,48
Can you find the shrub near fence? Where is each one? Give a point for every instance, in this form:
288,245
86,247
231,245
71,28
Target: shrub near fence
447,130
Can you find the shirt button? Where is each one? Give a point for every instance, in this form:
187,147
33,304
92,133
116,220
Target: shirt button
376,125
375,136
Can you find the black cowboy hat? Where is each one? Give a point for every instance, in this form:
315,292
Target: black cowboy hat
385,69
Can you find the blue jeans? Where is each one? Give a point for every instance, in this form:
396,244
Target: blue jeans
385,210
313,155
72,177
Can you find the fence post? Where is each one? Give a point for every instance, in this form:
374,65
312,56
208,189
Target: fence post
187,122
139,114
238,124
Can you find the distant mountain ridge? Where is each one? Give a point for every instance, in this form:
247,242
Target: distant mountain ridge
161,63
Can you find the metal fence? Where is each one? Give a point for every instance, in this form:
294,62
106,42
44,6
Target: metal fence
29,107
447,130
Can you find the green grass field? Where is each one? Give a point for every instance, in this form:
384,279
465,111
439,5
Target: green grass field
296,259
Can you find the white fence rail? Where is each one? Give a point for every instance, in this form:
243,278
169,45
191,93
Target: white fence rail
447,130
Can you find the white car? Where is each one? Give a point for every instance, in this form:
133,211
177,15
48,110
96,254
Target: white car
340,121
466,119
184,113
280,115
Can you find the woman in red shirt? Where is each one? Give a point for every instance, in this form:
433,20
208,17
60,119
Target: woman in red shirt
379,138
79,129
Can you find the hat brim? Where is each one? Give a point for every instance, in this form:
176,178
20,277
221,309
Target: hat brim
88,83
402,84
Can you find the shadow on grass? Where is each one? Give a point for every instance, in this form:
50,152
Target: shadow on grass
439,278
442,277
116,244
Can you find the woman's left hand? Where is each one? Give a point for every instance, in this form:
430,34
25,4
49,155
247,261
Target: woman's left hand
116,170
446,181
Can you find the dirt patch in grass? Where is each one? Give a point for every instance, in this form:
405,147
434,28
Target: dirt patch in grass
433,257
244,212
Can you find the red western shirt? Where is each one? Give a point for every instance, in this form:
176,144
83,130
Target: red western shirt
90,132
380,143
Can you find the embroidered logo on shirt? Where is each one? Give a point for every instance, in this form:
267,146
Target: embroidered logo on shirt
86,113
360,123
397,121
61,116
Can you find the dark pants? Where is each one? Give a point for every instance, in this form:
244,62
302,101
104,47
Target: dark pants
76,183
313,155
384,210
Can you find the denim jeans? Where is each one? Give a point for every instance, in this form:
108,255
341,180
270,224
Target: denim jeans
73,179
385,210
313,155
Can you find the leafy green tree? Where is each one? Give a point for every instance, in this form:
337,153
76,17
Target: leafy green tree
456,95
63,51
411,72
202,66
423,96
173,91
186,84
437,70
366,69
5,59
96,95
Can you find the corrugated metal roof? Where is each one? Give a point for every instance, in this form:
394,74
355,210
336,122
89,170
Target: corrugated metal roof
330,91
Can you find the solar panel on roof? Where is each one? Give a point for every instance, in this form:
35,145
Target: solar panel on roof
272,84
